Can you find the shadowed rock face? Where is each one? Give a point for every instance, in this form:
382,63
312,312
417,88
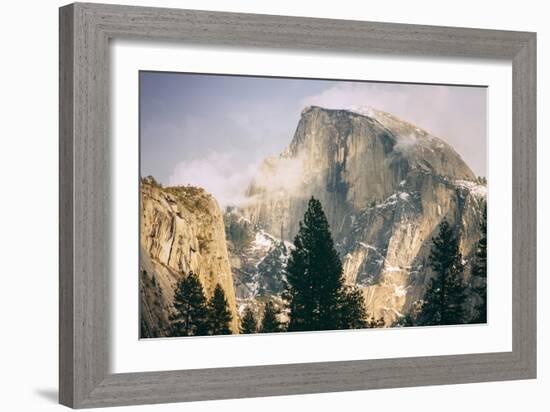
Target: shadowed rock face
181,230
385,186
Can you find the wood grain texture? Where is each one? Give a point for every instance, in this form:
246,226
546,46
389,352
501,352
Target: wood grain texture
85,31
524,208
66,229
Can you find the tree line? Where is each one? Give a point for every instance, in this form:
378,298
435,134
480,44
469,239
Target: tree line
195,315
316,297
445,299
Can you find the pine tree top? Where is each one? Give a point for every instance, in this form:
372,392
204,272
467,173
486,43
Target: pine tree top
219,314
249,324
270,321
190,304
314,274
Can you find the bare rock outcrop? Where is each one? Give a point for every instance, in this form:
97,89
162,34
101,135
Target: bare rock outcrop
385,186
181,230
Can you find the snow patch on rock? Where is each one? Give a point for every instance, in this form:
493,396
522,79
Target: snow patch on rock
474,188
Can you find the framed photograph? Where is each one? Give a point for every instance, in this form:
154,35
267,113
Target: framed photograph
256,205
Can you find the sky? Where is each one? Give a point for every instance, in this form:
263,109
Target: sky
214,130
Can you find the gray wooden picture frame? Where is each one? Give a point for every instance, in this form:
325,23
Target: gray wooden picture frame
85,32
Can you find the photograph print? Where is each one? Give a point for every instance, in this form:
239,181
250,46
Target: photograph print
273,205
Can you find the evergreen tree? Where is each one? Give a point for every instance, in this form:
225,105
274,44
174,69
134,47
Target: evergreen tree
249,324
314,275
271,270
405,321
270,321
353,313
376,323
219,315
191,315
445,296
479,270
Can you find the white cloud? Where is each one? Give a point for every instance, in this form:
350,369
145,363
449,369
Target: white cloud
404,143
456,114
225,177
220,174
279,174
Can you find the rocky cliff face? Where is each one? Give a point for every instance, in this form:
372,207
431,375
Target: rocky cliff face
385,186
181,230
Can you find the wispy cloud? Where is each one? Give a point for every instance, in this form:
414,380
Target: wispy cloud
223,176
220,174
214,131
281,174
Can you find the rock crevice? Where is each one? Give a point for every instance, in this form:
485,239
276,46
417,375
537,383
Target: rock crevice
181,230
385,185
